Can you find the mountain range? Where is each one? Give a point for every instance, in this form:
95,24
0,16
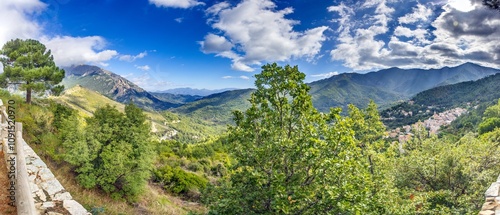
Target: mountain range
192,92
386,87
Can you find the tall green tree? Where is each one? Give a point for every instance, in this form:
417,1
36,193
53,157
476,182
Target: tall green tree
113,151
291,159
30,64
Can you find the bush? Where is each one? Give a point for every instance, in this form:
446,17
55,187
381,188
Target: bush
489,125
178,181
194,167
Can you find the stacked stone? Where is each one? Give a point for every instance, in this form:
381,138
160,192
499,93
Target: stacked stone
492,202
49,195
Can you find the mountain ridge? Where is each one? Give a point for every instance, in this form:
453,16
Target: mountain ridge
438,99
390,85
193,91
385,87
113,86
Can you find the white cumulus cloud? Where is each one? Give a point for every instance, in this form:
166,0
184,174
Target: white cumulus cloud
253,31
68,50
420,13
176,3
16,19
131,58
143,68
460,33
20,22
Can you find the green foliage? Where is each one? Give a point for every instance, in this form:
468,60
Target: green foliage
290,158
192,129
493,4
489,125
491,119
30,64
178,181
444,176
493,111
113,151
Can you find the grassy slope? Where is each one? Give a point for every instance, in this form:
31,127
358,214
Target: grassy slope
87,101
189,128
113,86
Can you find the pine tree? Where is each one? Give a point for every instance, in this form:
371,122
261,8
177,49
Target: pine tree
30,64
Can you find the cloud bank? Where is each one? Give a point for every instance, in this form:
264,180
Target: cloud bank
432,35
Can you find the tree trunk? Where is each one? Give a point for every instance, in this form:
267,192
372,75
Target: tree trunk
28,95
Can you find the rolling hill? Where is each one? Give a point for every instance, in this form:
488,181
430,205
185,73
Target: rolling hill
176,98
113,86
86,101
217,108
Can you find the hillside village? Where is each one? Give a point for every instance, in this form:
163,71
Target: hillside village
432,124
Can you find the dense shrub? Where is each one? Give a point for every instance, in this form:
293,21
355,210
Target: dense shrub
178,181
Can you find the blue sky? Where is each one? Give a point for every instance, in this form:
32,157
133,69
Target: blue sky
162,44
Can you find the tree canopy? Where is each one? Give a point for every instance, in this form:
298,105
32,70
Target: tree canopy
113,151
291,159
30,64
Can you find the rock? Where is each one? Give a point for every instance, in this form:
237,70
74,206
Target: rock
46,205
41,195
53,213
45,174
62,196
52,186
74,208
38,163
31,169
492,190
33,186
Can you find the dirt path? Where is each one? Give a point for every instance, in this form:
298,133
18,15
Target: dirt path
5,208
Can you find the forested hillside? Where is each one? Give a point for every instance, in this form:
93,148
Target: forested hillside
389,85
471,94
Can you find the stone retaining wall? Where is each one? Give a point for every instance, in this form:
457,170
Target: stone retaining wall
492,199
36,189
49,195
